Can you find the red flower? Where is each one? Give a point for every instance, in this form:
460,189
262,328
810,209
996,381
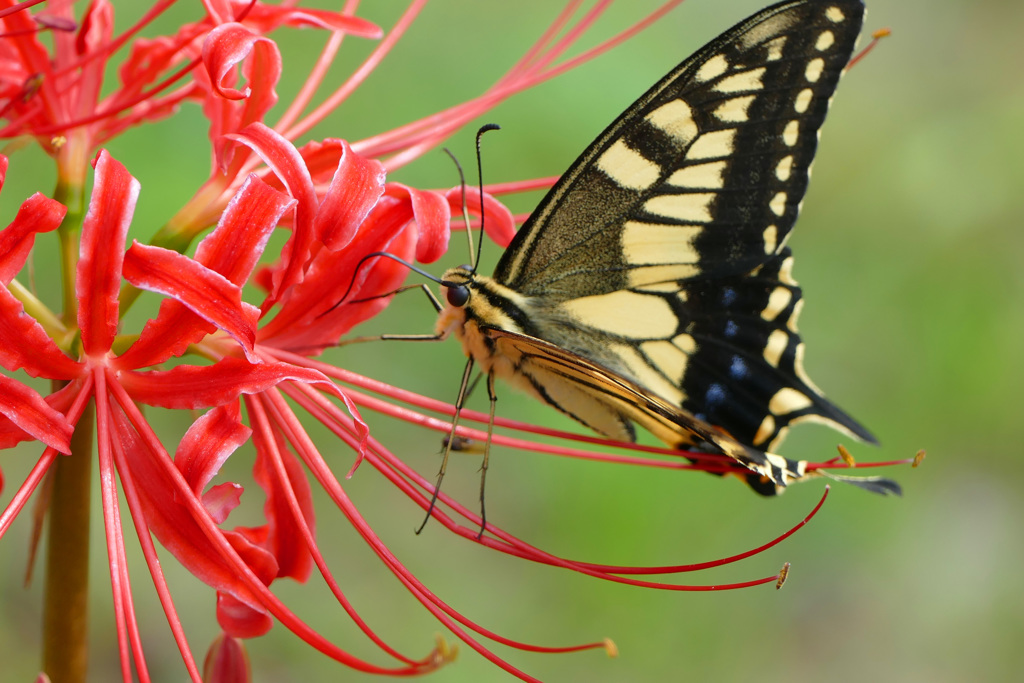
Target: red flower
58,97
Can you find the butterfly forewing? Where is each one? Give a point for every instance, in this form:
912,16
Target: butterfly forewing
660,254
697,172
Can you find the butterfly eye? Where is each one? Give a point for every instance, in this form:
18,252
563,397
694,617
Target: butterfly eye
457,296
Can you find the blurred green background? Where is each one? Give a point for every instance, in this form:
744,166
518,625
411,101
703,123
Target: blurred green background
910,252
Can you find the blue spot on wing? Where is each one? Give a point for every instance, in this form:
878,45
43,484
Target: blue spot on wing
715,394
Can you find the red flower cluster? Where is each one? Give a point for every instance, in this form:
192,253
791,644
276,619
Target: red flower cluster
208,348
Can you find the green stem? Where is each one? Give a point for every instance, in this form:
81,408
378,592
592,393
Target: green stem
66,608
69,235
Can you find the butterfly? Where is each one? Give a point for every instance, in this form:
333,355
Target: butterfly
653,284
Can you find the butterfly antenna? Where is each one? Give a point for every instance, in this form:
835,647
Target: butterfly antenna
362,261
480,183
465,209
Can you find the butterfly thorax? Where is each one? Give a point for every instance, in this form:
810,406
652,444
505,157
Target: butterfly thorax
490,306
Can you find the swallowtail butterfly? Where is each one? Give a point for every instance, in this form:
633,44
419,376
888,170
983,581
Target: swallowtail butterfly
652,285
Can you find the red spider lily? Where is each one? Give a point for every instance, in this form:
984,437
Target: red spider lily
334,198
57,95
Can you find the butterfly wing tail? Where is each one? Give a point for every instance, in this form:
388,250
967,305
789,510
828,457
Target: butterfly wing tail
770,474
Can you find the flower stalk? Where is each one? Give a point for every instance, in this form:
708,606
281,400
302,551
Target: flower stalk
66,590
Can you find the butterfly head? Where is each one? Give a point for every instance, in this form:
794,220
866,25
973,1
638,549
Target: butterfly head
457,283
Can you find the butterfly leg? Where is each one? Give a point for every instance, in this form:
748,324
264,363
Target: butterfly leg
493,396
463,390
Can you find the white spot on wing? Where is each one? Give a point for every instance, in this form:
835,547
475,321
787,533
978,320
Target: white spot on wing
788,400
826,40
718,143
778,300
699,176
803,100
675,118
798,365
791,133
815,67
778,203
742,81
626,314
777,342
686,208
766,429
713,68
795,315
734,110
685,342
771,239
775,48
786,271
835,15
627,167
784,168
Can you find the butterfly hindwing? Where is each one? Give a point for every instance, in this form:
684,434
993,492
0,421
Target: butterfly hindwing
745,370
608,403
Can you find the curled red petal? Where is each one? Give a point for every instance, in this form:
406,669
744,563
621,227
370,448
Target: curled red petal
355,189
205,292
61,401
168,335
240,619
499,223
221,499
232,249
433,220
37,214
322,157
287,164
192,386
173,522
236,615
24,344
29,412
104,230
226,47
315,331
207,444
309,309
285,539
